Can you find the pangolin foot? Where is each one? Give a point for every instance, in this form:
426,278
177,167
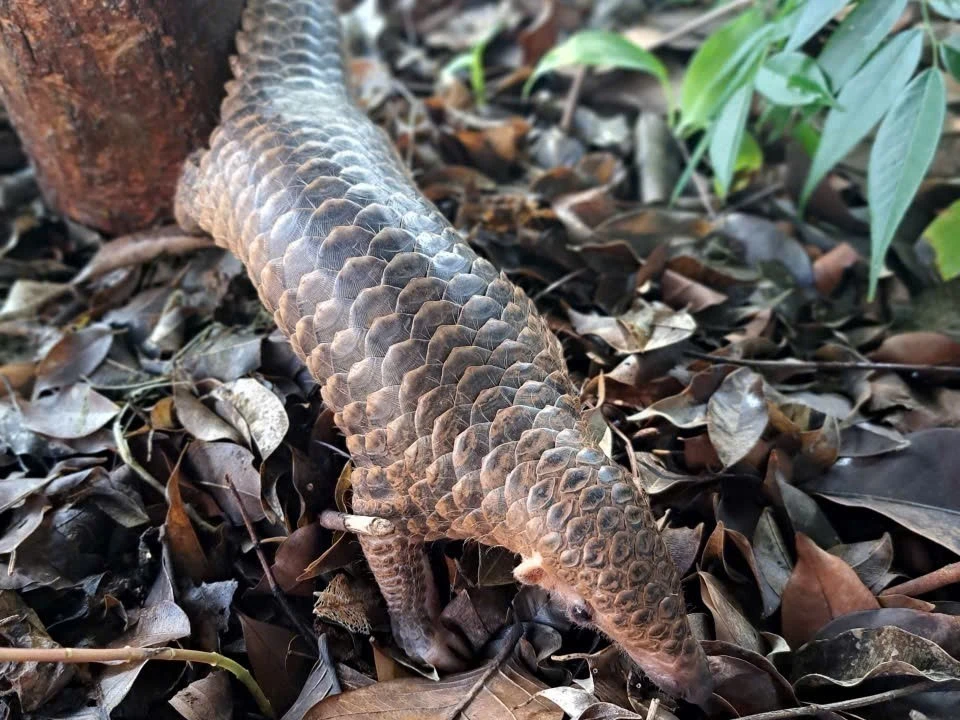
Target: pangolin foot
443,649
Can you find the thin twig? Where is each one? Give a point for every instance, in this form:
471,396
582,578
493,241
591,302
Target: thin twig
699,22
827,365
356,524
558,282
138,654
573,98
275,588
510,641
947,575
807,710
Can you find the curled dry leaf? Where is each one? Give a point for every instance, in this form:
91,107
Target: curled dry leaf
871,560
729,620
209,698
140,248
261,409
74,412
737,415
189,559
859,654
644,328
75,356
822,587
938,628
829,268
199,420
210,464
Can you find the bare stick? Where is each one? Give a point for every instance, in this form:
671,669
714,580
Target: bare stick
357,524
699,22
887,696
138,654
828,364
573,98
278,593
509,643
947,575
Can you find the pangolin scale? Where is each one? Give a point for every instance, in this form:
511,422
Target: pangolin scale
451,390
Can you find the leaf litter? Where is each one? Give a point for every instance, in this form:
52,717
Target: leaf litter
796,440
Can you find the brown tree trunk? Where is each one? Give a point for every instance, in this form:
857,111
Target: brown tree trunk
109,96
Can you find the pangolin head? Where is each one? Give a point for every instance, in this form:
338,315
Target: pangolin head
597,550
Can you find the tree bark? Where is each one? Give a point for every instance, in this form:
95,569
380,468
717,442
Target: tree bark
109,97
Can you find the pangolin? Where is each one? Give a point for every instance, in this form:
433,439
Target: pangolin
450,389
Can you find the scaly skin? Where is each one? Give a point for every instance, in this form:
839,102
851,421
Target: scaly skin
450,388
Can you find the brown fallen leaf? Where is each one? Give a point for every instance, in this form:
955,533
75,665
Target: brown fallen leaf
209,698
918,348
729,620
822,587
682,293
140,248
278,670
506,694
829,268
75,356
189,559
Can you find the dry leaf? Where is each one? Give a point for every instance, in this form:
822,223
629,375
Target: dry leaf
822,587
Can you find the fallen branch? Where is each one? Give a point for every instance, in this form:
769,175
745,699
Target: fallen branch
278,594
851,704
357,524
947,575
827,365
138,654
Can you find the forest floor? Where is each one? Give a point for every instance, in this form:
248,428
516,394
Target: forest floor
799,443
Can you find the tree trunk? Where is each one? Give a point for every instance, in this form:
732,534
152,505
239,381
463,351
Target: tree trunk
109,97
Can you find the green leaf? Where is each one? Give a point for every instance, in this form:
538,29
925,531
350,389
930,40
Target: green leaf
901,155
703,84
792,79
599,48
950,54
947,8
814,15
728,136
857,37
943,234
862,102
808,137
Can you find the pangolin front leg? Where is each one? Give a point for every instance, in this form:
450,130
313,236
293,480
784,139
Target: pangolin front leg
451,390
402,570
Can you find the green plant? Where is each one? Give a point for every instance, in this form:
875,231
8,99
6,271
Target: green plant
863,78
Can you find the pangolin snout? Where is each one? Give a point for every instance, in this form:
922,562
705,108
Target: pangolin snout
687,677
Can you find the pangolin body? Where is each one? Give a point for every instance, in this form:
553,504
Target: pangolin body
449,387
